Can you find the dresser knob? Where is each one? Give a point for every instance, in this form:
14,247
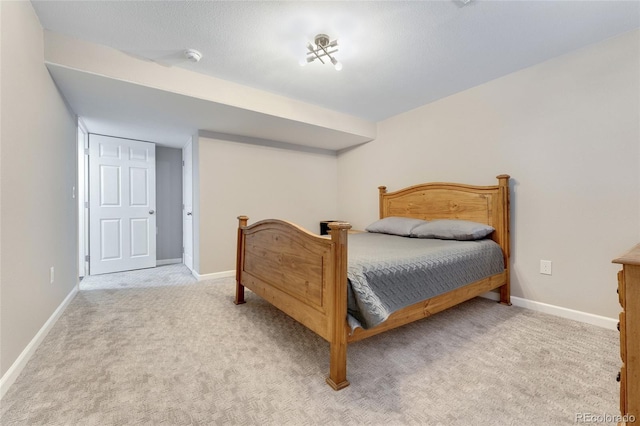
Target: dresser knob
618,325
618,377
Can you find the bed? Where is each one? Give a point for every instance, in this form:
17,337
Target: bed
306,275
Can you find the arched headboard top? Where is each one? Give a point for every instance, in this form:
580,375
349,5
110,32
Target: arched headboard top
445,200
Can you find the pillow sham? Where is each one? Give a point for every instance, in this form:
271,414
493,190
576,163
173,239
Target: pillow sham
451,229
394,225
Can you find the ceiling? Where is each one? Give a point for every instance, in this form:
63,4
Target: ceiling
397,55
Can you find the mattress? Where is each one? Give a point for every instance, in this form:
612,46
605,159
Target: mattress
387,272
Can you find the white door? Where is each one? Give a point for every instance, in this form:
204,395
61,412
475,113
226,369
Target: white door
122,203
187,211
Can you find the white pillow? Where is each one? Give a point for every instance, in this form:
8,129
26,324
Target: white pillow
450,229
395,225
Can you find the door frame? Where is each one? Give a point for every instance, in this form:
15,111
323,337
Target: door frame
187,178
83,199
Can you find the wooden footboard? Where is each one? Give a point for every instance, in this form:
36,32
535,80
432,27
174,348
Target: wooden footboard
303,275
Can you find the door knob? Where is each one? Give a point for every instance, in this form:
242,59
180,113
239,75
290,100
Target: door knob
188,213
152,211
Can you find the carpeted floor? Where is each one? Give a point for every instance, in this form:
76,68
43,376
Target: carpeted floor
157,348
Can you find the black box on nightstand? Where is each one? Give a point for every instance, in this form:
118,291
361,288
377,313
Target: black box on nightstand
324,226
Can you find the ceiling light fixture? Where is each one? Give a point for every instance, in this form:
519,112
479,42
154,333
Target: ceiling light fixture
325,48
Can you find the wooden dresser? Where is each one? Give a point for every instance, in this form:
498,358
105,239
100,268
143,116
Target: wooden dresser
629,296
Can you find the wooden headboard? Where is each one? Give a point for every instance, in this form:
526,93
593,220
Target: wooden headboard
441,200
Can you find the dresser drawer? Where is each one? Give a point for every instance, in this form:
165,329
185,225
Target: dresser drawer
623,337
623,390
621,288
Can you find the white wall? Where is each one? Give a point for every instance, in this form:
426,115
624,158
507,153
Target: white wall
261,182
566,130
38,171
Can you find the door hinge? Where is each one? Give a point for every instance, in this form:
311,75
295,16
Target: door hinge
86,151
182,250
86,204
87,258
182,163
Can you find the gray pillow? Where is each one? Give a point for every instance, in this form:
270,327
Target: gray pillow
395,225
449,229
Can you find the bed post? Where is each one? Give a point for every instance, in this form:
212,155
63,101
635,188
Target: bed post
338,316
242,222
382,190
503,188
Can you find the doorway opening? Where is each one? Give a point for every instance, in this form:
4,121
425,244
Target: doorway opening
130,204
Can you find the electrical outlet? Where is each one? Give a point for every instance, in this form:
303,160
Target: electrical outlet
51,275
545,267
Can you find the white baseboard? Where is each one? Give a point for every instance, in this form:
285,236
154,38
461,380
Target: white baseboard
168,261
214,275
558,311
16,368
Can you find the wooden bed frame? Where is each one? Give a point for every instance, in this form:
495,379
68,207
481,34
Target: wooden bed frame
305,275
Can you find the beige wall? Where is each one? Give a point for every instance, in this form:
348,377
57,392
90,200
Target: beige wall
261,182
38,214
566,130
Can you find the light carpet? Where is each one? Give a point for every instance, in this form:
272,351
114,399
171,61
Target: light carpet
167,350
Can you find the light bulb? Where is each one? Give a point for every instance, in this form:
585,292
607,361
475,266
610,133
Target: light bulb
302,62
337,65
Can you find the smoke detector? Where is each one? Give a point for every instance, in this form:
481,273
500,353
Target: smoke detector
193,55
